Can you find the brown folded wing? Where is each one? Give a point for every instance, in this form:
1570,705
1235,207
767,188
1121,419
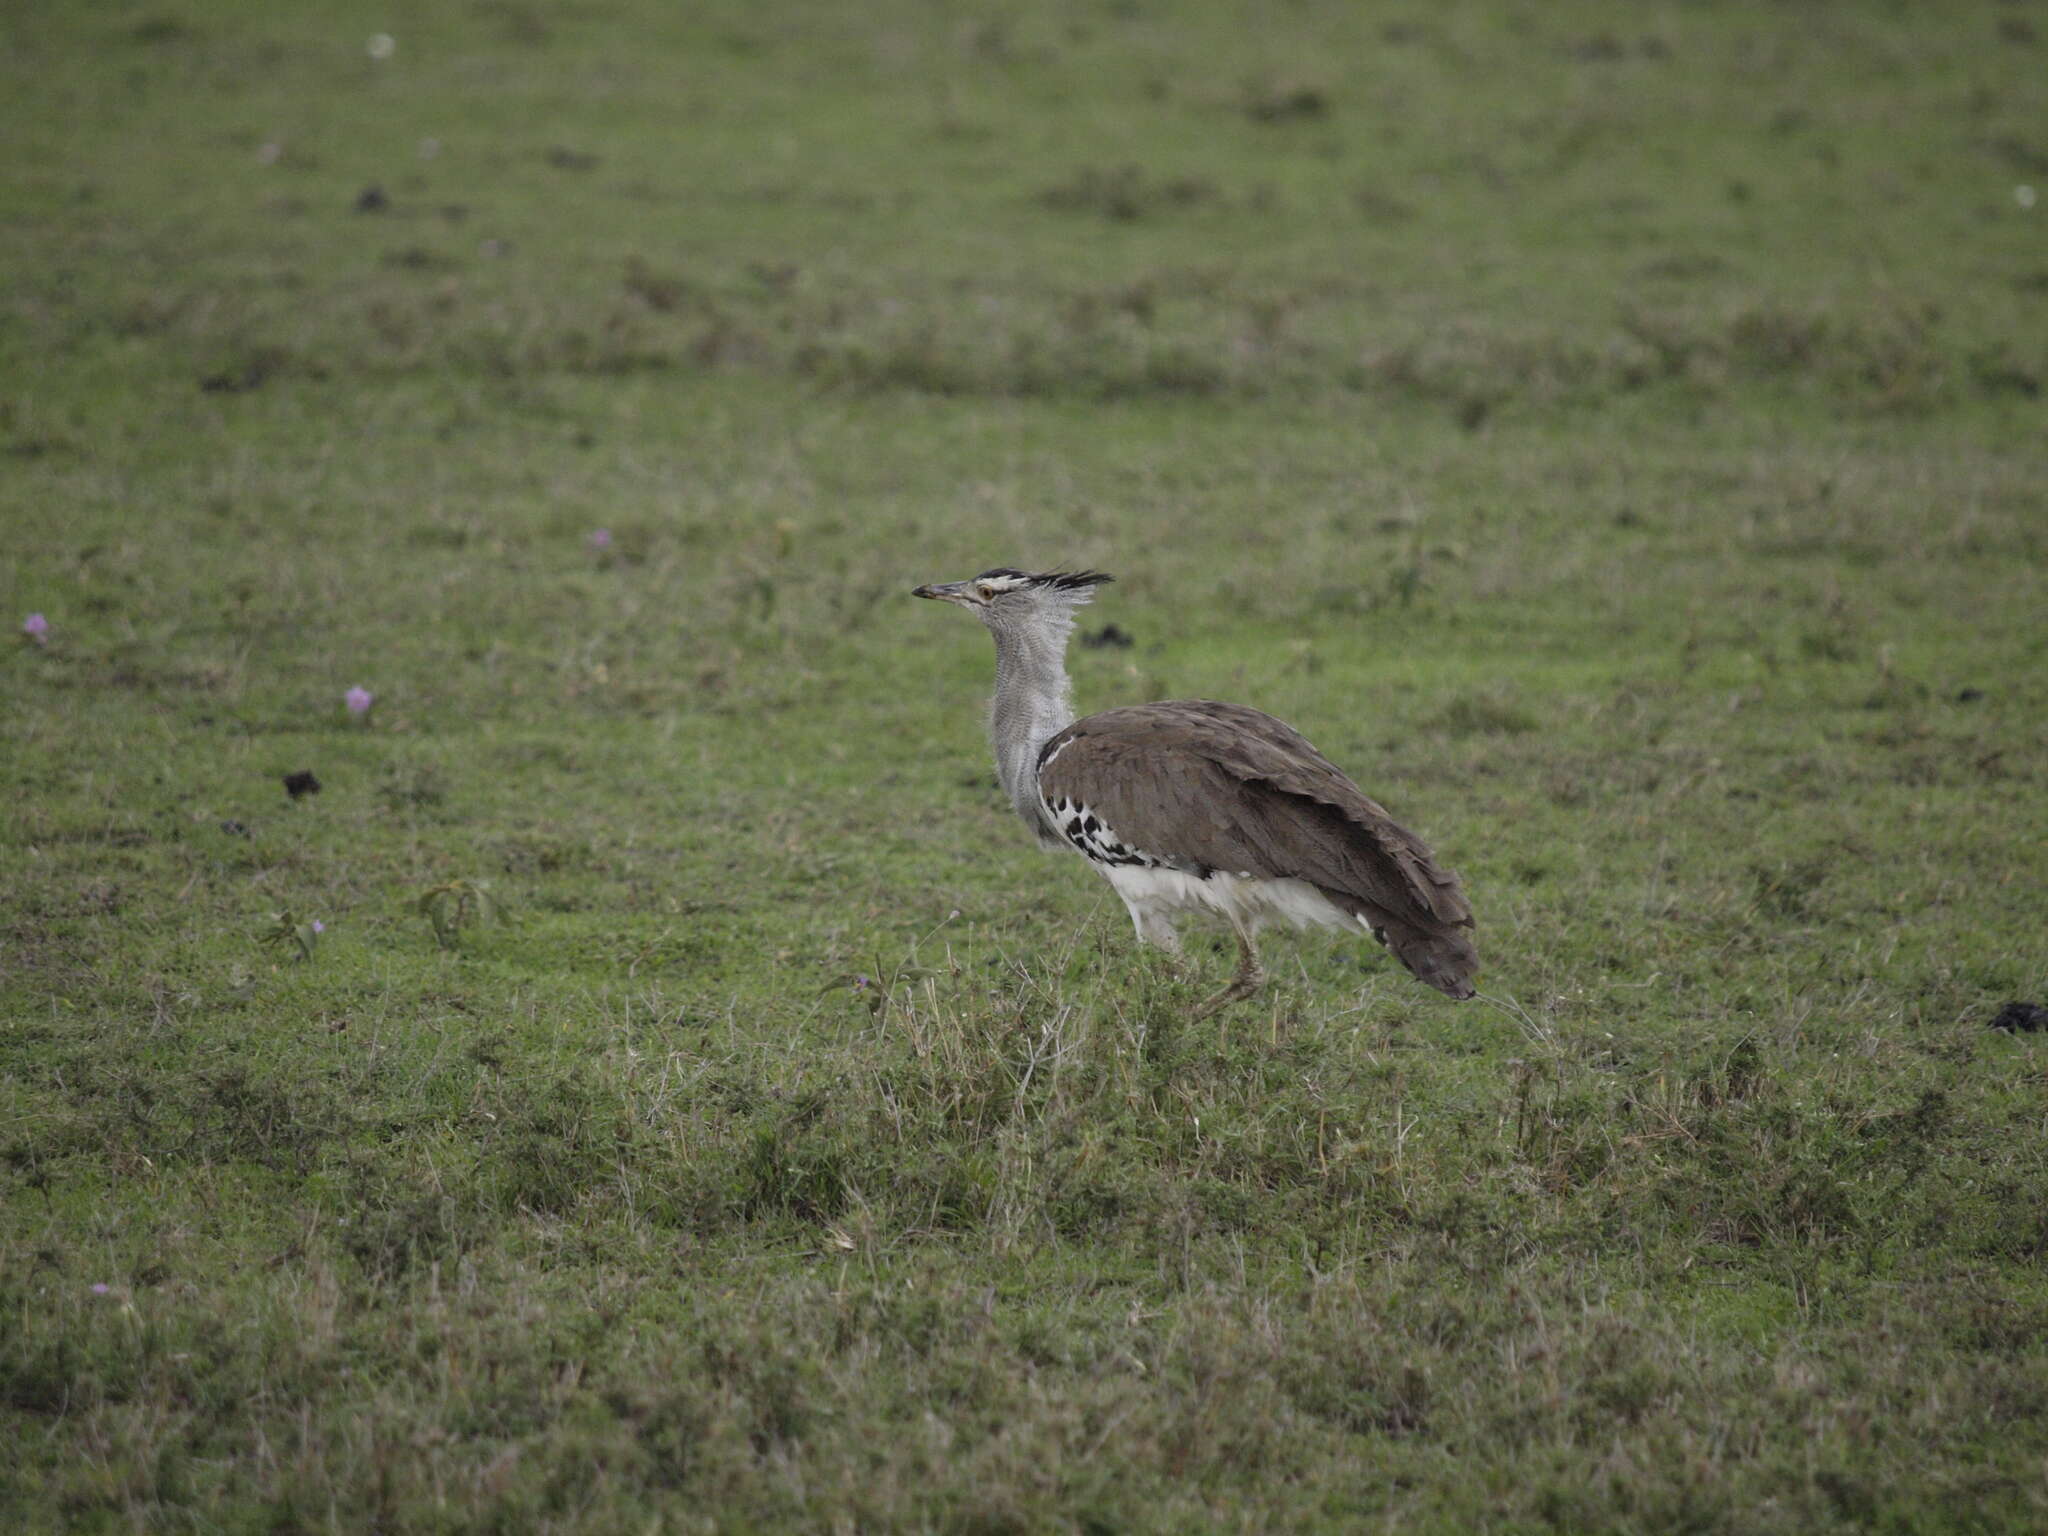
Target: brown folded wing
1206,785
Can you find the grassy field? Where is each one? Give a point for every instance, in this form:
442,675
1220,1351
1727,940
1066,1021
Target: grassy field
652,1084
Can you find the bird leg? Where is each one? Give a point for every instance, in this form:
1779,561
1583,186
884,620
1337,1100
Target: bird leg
1249,978
1156,932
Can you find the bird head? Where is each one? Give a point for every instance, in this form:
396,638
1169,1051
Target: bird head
1010,600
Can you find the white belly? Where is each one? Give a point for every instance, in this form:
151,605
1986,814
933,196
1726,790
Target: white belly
1155,896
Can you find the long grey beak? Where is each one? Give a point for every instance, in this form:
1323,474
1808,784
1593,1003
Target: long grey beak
944,591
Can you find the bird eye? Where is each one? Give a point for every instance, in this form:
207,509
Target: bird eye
986,591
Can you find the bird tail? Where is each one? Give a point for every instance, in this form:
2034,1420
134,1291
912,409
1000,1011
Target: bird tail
1438,956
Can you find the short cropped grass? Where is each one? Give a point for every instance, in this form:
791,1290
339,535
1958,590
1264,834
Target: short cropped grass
636,1075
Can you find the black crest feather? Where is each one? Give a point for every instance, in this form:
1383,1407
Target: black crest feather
1066,581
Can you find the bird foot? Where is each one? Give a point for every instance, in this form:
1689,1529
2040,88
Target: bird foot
1246,983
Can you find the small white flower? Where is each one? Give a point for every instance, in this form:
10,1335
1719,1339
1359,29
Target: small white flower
382,45
2023,195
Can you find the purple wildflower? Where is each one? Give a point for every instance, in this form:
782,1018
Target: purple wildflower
100,1287
359,700
859,983
318,926
37,628
600,538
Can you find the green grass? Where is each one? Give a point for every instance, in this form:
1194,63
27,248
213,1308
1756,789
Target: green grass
1611,433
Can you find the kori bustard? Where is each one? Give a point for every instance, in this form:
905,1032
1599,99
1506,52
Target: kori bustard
1195,806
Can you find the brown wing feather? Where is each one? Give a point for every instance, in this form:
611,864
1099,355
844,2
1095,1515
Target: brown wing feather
1223,786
